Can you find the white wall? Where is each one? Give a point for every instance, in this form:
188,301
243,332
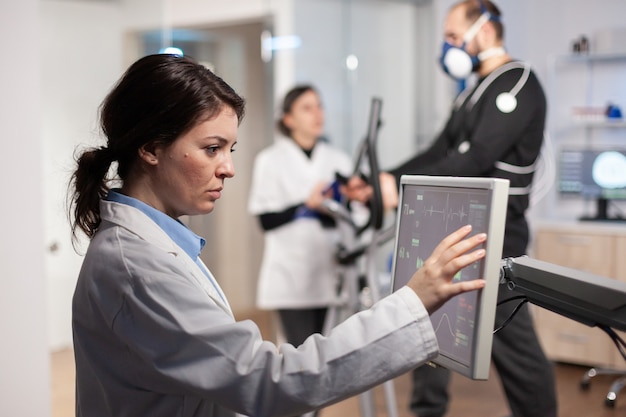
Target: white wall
24,359
149,14
81,47
382,36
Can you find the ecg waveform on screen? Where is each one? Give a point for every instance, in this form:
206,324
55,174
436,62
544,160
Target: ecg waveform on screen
444,317
456,215
447,214
460,338
452,209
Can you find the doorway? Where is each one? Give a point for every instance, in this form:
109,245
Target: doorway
233,238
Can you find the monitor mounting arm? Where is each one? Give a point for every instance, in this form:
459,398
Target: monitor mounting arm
587,298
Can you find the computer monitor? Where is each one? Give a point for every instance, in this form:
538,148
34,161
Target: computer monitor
598,174
429,209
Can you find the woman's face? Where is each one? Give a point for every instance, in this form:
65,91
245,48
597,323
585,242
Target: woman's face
189,174
306,118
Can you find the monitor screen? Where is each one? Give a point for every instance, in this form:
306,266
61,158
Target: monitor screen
429,209
593,173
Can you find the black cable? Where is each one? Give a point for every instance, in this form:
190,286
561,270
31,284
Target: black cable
517,297
513,313
619,342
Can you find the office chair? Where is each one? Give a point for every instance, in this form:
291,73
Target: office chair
615,387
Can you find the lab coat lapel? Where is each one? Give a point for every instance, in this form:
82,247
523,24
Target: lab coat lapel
140,224
207,284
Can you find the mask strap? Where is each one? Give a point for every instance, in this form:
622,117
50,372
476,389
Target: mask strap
473,30
491,52
483,9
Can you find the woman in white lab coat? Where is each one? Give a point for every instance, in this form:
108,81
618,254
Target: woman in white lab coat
153,332
298,276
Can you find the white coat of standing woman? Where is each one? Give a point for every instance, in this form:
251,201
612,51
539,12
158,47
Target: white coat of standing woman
153,333
298,275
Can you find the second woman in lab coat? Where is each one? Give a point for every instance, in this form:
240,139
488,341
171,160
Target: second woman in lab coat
298,275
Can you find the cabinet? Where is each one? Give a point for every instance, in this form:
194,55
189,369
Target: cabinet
595,248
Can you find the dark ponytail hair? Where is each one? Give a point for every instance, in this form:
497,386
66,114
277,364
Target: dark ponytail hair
290,98
159,98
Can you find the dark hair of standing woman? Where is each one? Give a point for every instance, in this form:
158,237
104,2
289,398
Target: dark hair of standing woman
290,98
159,98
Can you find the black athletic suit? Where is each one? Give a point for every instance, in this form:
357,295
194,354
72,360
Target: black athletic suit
480,140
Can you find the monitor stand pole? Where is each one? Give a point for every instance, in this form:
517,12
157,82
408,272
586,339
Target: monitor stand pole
602,212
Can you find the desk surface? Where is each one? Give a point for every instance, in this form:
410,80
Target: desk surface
614,228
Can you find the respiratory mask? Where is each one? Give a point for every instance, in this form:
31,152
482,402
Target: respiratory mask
455,61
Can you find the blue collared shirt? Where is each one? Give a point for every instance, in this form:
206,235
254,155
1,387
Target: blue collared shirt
184,237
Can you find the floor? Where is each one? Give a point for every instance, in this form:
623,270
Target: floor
469,398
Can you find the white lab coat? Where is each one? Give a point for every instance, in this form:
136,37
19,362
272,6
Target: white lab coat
298,269
152,337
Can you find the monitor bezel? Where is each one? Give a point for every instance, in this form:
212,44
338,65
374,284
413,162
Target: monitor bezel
480,360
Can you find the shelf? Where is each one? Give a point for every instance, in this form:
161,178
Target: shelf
589,58
600,124
590,82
